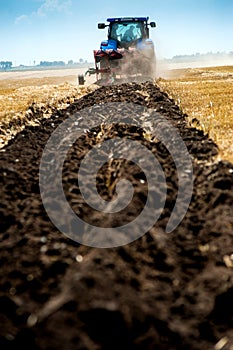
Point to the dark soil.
(163, 291)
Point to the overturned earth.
(161, 291)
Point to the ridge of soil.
(163, 291)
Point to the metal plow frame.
(112, 66)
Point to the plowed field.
(162, 291)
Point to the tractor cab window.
(126, 31)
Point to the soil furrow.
(162, 291)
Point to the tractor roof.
(128, 19)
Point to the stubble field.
(23, 93)
(206, 96)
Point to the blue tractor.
(127, 54)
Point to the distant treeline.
(198, 56)
(50, 64)
(4, 65)
(7, 65)
(60, 63)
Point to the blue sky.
(38, 30)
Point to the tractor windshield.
(127, 31)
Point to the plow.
(128, 54)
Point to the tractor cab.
(125, 32)
(128, 51)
